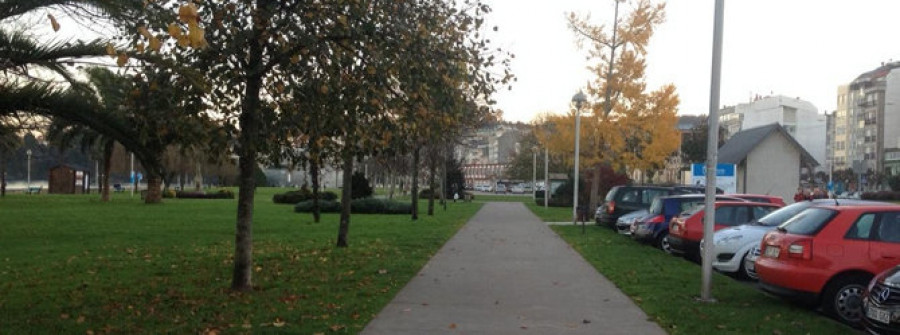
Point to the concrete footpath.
(506, 272)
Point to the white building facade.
(799, 118)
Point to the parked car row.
(842, 255)
(625, 199)
(828, 255)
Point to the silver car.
(734, 246)
(624, 222)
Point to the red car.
(759, 198)
(826, 255)
(686, 230)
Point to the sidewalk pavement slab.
(506, 272)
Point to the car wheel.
(663, 243)
(843, 298)
(748, 265)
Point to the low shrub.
(328, 195)
(291, 197)
(379, 206)
(358, 206)
(294, 197)
(360, 187)
(427, 193)
(554, 202)
(325, 206)
(168, 193)
(220, 194)
(881, 195)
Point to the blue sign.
(722, 170)
(725, 176)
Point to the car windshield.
(783, 214)
(808, 222)
(656, 207)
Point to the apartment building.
(867, 121)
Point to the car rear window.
(808, 222)
(651, 194)
(611, 195)
(656, 207)
(783, 214)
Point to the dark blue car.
(653, 228)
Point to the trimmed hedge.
(427, 193)
(220, 194)
(555, 202)
(358, 206)
(325, 206)
(294, 197)
(881, 195)
(424, 194)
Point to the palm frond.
(18, 51)
(80, 8)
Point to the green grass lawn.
(666, 288)
(551, 214)
(71, 264)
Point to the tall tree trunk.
(107, 167)
(249, 122)
(2, 174)
(392, 178)
(198, 177)
(154, 189)
(444, 179)
(346, 198)
(415, 183)
(595, 188)
(314, 175)
(432, 171)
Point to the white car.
(734, 246)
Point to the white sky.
(796, 48)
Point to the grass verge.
(71, 264)
(551, 214)
(666, 288)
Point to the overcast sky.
(796, 48)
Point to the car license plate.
(772, 251)
(878, 314)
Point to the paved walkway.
(506, 272)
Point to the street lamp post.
(578, 100)
(28, 168)
(711, 154)
(534, 152)
(546, 176)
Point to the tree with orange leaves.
(631, 128)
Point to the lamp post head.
(28, 152)
(579, 99)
